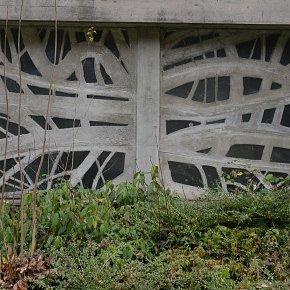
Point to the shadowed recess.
(204, 151)
(280, 155)
(107, 79)
(212, 176)
(268, 116)
(38, 90)
(63, 123)
(181, 91)
(72, 77)
(126, 36)
(221, 53)
(45, 169)
(243, 177)
(246, 151)
(178, 63)
(216, 121)
(244, 49)
(176, 125)
(275, 86)
(285, 121)
(3, 40)
(191, 40)
(71, 160)
(14, 32)
(210, 90)
(41, 34)
(209, 54)
(50, 47)
(251, 85)
(224, 87)
(99, 123)
(271, 41)
(67, 45)
(199, 92)
(10, 162)
(89, 70)
(114, 167)
(12, 85)
(285, 58)
(64, 94)
(111, 44)
(40, 120)
(109, 98)
(12, 127)
(28, 66)
(80, 36)
(246, 117)
(185, 173)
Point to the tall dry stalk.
(6, 137)
(18, 135)
(34, 211)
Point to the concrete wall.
(152, 11)
(199, 100)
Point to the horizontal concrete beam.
(276, 12)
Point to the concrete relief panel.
(91, 119)
(225, 105)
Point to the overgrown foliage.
(136, 235)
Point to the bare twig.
(7, 126)
(18, 135)
(34, 213)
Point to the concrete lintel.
(152, 11)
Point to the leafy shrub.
(136, 235)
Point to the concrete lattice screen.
(224, 95)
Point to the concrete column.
(148, 98)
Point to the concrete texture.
(152, 11)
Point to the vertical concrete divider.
(148, 98)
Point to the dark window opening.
(50, 48)
(199, 92)
(71, 160)
(28, 66)
(3, 41)
(216, 121)
(63, 123)
(268, 116)
(224, 87)
(251, 85)
(275, 86)
(14, 32)
(107, 79)
(89, 70)
(111, 45)
(246, 151)
(181, 91)
(38, 90)
(204, 151)
(285, 58)
(109, 98)
(12, 85)
(176, 125)
(246, 117)
(72, 77)
(40, 120)
(100, 123)
(280, 155)
(185, 173)
(285, 121)
(212, 176)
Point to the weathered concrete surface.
(153, 11)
